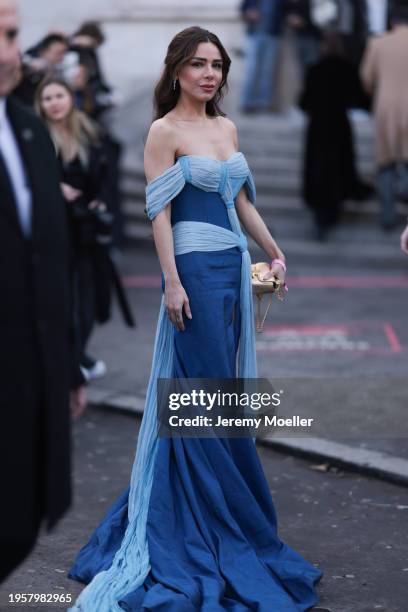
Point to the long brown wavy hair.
(181, 49)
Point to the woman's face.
(201, 76)
(56, 102)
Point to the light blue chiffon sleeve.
(161, 190)
(240, 175)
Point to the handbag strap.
(260, 321)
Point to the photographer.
(38, 62)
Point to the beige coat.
(385, 74)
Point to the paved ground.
(338, 352)
(355, 528)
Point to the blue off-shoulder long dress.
(211, 524)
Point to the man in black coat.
(37, 366)
(353, 26)
(307, 34)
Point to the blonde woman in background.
(82, 163)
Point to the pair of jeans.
(308, 51)
(392, 182)
(260, 63)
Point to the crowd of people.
(268, 21)
(351, 55)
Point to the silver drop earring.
(174, 84)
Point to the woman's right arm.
(159, 155)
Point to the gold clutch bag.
(260, 287)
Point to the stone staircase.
(273, 147)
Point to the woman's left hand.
(275, 271)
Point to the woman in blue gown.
(196, 530)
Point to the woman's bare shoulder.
(227, 123)
(230, 128)
(161, 130)
(159, 153)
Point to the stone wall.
(138, 31)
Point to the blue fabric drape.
(130, 565)
(124, 568)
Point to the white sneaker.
(85, 373)
(98, 370)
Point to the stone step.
(292, 138)
(358, 234)
(137, 231)
(354, 254)
(351, 231)
(280, 156)
(271, 205)
(291, 164)
(273, 176)
(272, 182)
(274, 150)
(313, 253)
(292, 144)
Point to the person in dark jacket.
(86, 42)
(39, 61)
(37, 361)
(307, 35)
(353, 24)
(264, 19)
(96, 97)
(330, 177)
(83, 172)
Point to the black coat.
(332, 87)
(91, 180)
(274, 16)
(35, 348)
(302, 9)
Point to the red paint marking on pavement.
(145, 282)
(300, 282)
(348, 329)
(392, 338)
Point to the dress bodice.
(195, 204)
(225, 177)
